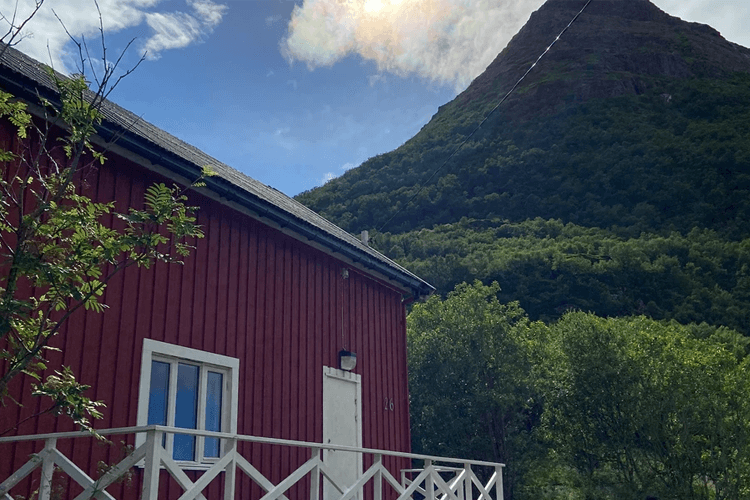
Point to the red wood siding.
(247, 291)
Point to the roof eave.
(230, 192)
(27, 89)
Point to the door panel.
(342, 425)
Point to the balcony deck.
(440, 478)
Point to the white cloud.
(209, 13)
(327, 177)
(165, 30)
(447, 41)
(173, 30)
(332, 175)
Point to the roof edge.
(225, 189)
(26, 87)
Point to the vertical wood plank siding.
(247, 291)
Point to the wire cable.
(458, 148)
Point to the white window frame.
(154, 350)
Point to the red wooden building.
(244, 339)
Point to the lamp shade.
(347, 360)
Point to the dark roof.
(25, 77)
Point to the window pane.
(186, 411)
(214, 392)
(158, 393)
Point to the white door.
(342, 425)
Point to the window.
(191, 389)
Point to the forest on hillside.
(584, 408)
(551, 268)
(672, 159)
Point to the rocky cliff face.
(615, 47)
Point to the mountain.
(615, 178)
(616, 47)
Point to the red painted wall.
(247, 291)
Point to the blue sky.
(293, 93)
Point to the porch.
(440, 478)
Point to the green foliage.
(583, 408)
(643, 408)
(632, 163)
(551, 267)
(646, 200)
(15, 112)
(67, 396)
(79, 112)
(469, 368)
(56, 241)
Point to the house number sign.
(388, 404)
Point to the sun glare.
(374, 6)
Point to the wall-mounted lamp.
(347, 360)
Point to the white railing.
(440, 479)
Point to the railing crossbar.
(392, 481)
(206, 478)
(291, 479)
(454, 484)
(443, 486)
(329, 477)
(359, 483)
(175, 471)
(114, 473)
(434, 481)
(48, 458)
(255, 475)
(406, 494)
(242, 437)
(26, 469)
(483, 493)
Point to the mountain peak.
(634, 119)
(615, 47)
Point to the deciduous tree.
(469, 379)
(644, 408)
(58, 248)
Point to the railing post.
(429, 482)
(378, 477)
(230, 474)
(499, 483)
(468, 490)
(48, 470)
(315, 475)
(152, 465)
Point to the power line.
(457, 148)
